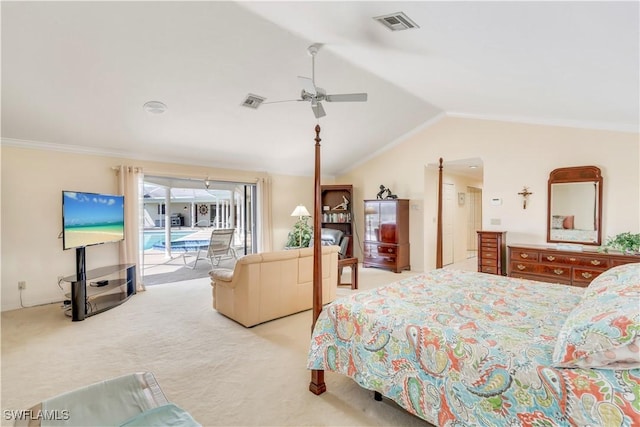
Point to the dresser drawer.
(523, 267)
(625, 259)
(489, 255)
(590, 261)
(585, 275)
(489, 243)
(489, 269)
(385, 250)
(556, 272)
(524, 255)
(380, 253)
(489, 261)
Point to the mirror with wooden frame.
(574, 206)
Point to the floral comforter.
(463, 348)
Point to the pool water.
(151, 238)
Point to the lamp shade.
(370, 210)
(300, 210)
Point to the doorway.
(462, 182)
(448, 213)
(474, 220)
(184, 212)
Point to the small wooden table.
(353, 264)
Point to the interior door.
(448, 196)
(474, 219)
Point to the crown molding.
(77, 149)
(65, 148)
(627, 128)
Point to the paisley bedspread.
(472, 349)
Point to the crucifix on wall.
(525, 193)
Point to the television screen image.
(91, 219)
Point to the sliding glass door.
(179, 210)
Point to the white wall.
(31, 221)
(514, 155)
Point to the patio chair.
(219, 246)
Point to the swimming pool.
(151, 238)
(184, 245)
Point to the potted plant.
(301, 235)
(626, 242)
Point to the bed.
(467, 348)
(473, 349)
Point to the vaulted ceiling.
(76, 74)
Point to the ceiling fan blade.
(284, 100)
(307, 85)
(318, 110)
(346, 97)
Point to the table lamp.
(301, 212)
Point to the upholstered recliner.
(330, 236)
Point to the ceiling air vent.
(396, 21)
(252, 101)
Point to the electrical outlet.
(22, 284)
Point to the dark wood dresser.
(492, 252)
(575, 268)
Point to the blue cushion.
(166, 415)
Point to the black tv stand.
(86, 300)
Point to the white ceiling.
(78, 73)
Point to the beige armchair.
(270, 285)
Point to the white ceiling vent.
(252, 101)
(396, 21)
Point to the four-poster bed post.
(317, 385)
(439, 223)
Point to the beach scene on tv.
(91, 219)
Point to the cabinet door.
(372, 221)
(388, 222)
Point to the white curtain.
(130, 181)
(265, 223)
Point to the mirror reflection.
(574, 209)
(573, 212)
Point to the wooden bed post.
(439, 224)
(317, 384)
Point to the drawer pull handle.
(558, 271)
(389, 250)
(520, 267)
(572, 259)
(595, 262)
(524, 256)
(551, 258)
(587, 275)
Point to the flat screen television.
(91, 219)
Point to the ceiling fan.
(312, 93)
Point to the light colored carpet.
(219, 371)
(175, 270)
